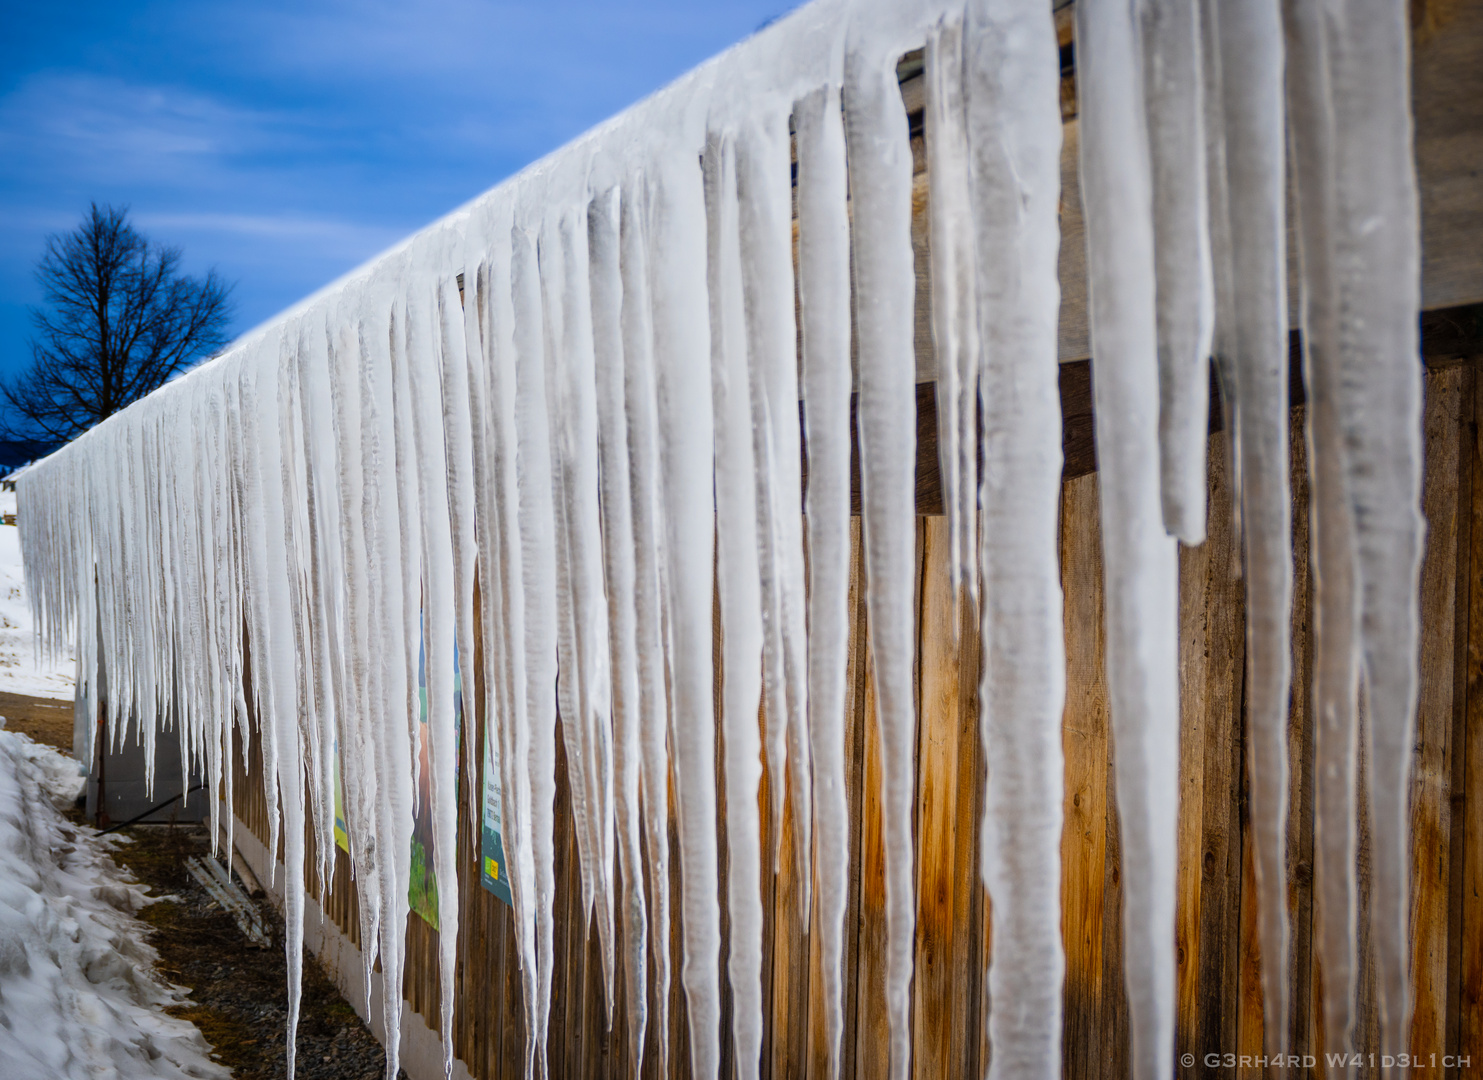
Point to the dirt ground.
(239, 996)
(44, 720)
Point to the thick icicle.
(880, 187)
(458, 453)
(681, 345)
(442, 608)
(515, 731)
(740, 601)
(1250, 40)
(383, 330)
(603, 222)
(1378, 261)
(1014, 135)
(1140, 559)
(584, 523)
(275, 665)
(1173, 90)
(586, 722)
(766, 256)
(538, 561)
(955, 328)
(568, 667)
(648, 542)
(1335, 594)
(824, 312)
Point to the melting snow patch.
(78, 994)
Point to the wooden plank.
(1222, 599)
(941, 1018)
(1431, 776)
(789, 990)
(1469, 984)
(1300, 749)
(1084, 740)
(1457, 847)
(1447, 90)
(1115, 1046)
(872, 1035)
(1250, 1014)
(971, 908)
(855, 683)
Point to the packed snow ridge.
(577, 398)
(79, 997)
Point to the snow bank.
(78, 995)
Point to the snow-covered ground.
(78, 994)
(22, 671)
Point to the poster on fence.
(422, 889)
(342, 835)
(494, 872)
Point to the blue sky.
(286, 142)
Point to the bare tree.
(122, 320)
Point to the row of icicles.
(605, 416)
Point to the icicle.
(741, 600)
(1140, 559)
(326, 568)
(382, 330)
(824, 310)
(275, 664)
(537, 542)
(578, 439)
(618, 560)
(681, 342)
(1014, 131)
(954, 325)
(1335, 598)
(1172, 76)
(458, 453)
(880, 187)
(568, 667)
(357, 754)
(648, 541)
(413, 321)
(442, 607)
(515, 757)
(1377, 242)
(765, 221)
(1250, 41)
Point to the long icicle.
(1139, 557)
(681, 345)
(1250, 40)
(1379, 266)
(648, 541)
(589, 611)
(880, 187)
(537, 542)
(1014, 134)
(766, 255)
(824, 313)
(740, 592)
(1335, 593)
(618, 562)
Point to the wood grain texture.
(1084, 741)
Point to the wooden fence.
(1219, 1002)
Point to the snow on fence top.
(605, 414)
